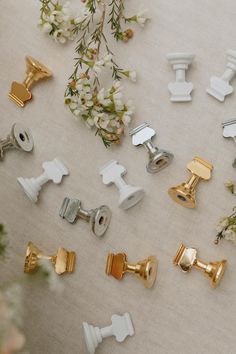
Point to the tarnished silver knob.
(98, 219)
(20, 138)
(158, 159)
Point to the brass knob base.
(63, 261)
(186, 259)
(183, 196)
(117, 266)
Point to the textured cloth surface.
(181, 314)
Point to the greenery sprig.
(101, 108)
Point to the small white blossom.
(132, 75)
(142, 17)
(58, 23)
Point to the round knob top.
(159, 161)
(149, 272)
(35, 65)
(22, 137)
(100, 220)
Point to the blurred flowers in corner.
(226, 228)
(12, 338)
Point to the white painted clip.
(220, 86)
(53, 170)
(121, 327)
(180, 90)
(112, 172)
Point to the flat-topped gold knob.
(186, 258)
(117, 266)
(63, 261)
(185, 193)
(20, 92)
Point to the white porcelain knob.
(220, 86)
(53, 170)
(180, 90)
(121, 327)
(112, 172)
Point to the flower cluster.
(230, 185)
(104, 109)
(226, 228)
(55, 20)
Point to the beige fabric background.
(181, 314)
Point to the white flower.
(142, 17)
(108, 60)
(126, 119)
(47, 27)
(97, 66)
(58, 23)
(132, 75)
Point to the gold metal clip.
(63, 261)
(35, 71)
(185, 193)
(186, 258)
(117, 266)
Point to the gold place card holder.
(185, 193)
(186, 259)
(63, 261)
(21, 92)
(117, 265)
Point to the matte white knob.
(112, 172)
(219, 86)
(53, 170)
(180, 90)
(121, 327)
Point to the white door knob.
(219, 86)
(121, 327)
(180, 90)
(112, 172)
(53, 170)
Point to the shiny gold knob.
(35, 71)
(186, 258)
(117, 266)
(184, 194)
(63, 261)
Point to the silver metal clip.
(98, 219)
(20, 138)
(158, 159)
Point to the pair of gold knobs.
(117, 264)
(20, 92)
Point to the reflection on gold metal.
(184, 194)
(186, 258)
(35, 71)
(63, 261)
(117, 266)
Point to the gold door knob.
(186, 258)
(20, 92)
(63, 261)
(117, 266)
(184, 194)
